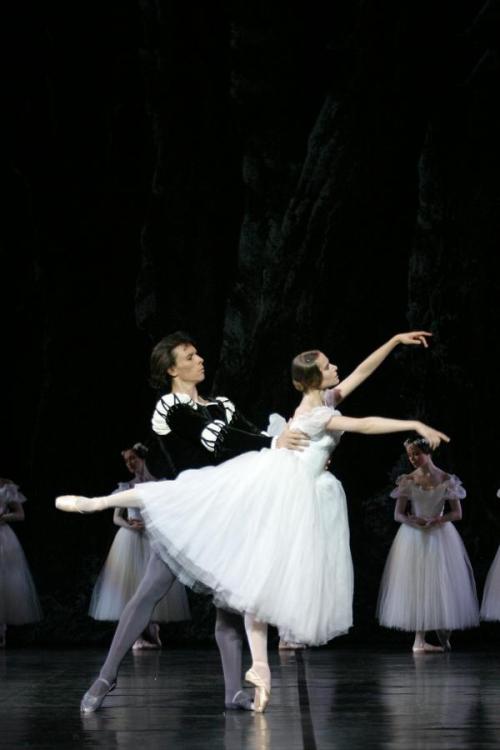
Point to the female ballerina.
(267, 532)
(490, 605)
(127, 561)
(427, 582)
(18, 598)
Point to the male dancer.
(193, 432)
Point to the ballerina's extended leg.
(79, 504)
(259, 674)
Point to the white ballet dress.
(428, 583)
(18, 598)
(266, 532)
(123, 571)
(490, 606)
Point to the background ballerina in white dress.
(127, 560)
(267, 531)
(18, 598)
(490, 605)
(428, 583)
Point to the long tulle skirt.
(264, 535)
(428, 582)
(490, 607)
(18, 598)
(120, 576)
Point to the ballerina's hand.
(418, 521)
(433, 437)
(414, 337)
(136, 525)
(436, 521)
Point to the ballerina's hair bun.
(420, 443)
(305, 372)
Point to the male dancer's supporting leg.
(229, 637)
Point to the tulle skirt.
(18, 598)
(428, 582)
(490, 607)
(120, 576)
(264, 535)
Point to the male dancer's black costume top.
(193, 435)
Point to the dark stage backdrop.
(271, 177)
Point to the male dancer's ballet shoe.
(262, 690)
(241, 702)
(76, 504)
(92, 702)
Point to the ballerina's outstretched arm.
(385, 426)
(375, 359)
(79, 504)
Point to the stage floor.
(322, 699)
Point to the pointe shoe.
(290, 646)
(77, 504)
(262, 690)
(141, 644)
(428, 648)
(444, 639)
(241, 702)
(91, 703)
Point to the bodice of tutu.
(322, 441)
(428, 503)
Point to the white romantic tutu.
(18, 598)
(120, 576)
(490, 607)
(266, 532)
(428, 583)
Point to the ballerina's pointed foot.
(262, 690)
(77, 504)
(427, 648)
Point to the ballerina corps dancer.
(267, 532)
(428, 583)
(490, 605)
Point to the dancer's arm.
(14, 513)
(120, 519)
(401, 516)
(370, 364)
(215, 435)
(454, 514)
(383, 426)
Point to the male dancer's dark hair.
(162, 358)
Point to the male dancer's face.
(188, 366)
